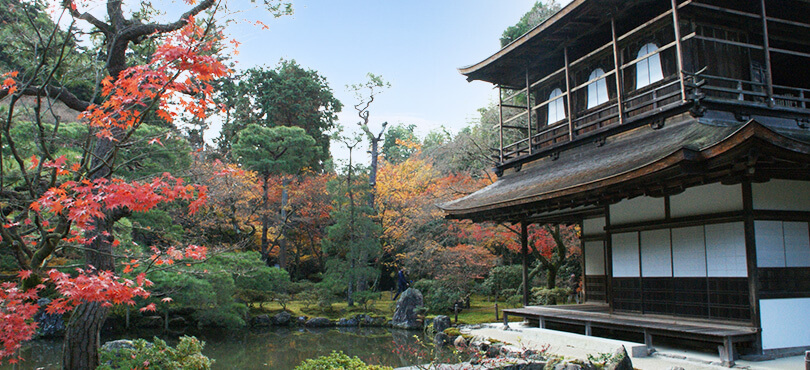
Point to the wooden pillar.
(608, 261)
(751, 257)
(767, 50)
(529, 112)
(500, 123)
(617, 70)
(524, 251)
(568, 96)
(678, 48)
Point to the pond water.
(280, 349)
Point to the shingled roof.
(645, 160)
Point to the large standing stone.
(440, 323)
(405, 315)
(619, 361)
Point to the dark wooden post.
(568, 96)
(500, 123)
(617, 70)
(529, 111)
(751, 257)
(496, 311)
(766, 48)
(678, 49)
(524, 251)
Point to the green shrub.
(158, 355)
(338, 361)
(438, 298)
(502, 278)
(543, 296)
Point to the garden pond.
(277, 348)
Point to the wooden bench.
(725, 335)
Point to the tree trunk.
(80, 351)
(282, 242)
(265, 220)
(372, 172)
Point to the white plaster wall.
(656, 253)
(785, 195)
(595, 258)
(797, 244)
(593, 226)
(770, 243)
(706, 199)
(625, 255)
(784, 322)
(725, 250)
(637, 209)
(689, 252)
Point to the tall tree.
(365, 94)
(288, 95)
(272, 151)
(83, 196)
(539, 12)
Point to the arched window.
(556, 106)
(597, 90)
(648, 70)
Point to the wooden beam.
(678, 48)
(767, 49)
(500, 123)
(751, 257)
(524, 251)
(568, 95)
(529, 111)
(618, 74)
(608, 261)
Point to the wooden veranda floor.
(599, 316)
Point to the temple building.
(677, 134)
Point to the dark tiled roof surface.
(590, 164)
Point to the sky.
(415, 45)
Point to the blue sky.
(416, 45)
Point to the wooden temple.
(677, 134)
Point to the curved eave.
(674, 162)
(472, 71)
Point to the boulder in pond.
(282, 318)
(260, 320)
(440, 323)
(405, 316)
(344, 322)
(319, 322)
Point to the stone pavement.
(572, 346)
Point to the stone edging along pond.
(286, 319)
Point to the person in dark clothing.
(402, 283)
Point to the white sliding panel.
(797, 244)
(725, 250)
(625, 255)
(784, 322)
(637, 209)
(770, 243)
(656, 254)
(595, 258)
(689, 252)
(593, 226)
(782, 195)
(705, 199)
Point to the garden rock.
(344, 322)
(441, 339)
(405, 316)
(460, 342)
(494, 350)
(116, 345)
(619, 361)
(440, 323)
(48, 325)
(282, 318)
(301, 320)
(260, 320)
(319, 322)
(567, 366)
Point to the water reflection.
(280, 348)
